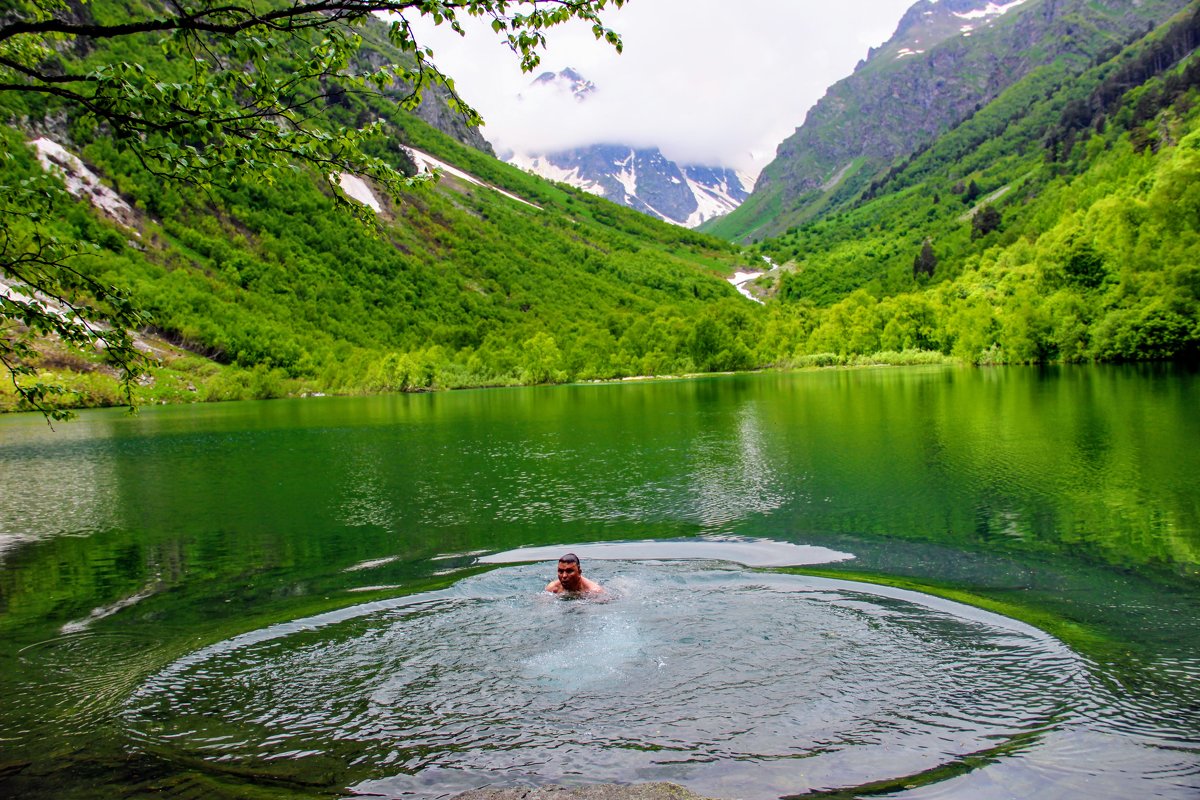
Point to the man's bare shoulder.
(592, 587)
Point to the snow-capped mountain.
(639, 177)
(568, 81)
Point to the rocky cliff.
(436, 111)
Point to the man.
(570, 578)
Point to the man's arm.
(554, 586)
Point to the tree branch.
(203, 21)
(38, 76)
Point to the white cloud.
(709, 81)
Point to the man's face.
(569, 575)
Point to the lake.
(930, 582)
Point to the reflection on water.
(28, 511)
(718, 678)
(1082, 459)
(363, 494)
(732, 476)
(705, 471)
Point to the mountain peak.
(947, 60)
(568, 81)
(928, 23)
(643, 179)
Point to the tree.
(1085, 267)
(971, 193)
(541, 360)
(216, 105)
(926, 261)
(986, 220)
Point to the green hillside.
(460, 286)
(1063, 222)
(264, 287)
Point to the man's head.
(570, 575)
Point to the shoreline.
(84, 384)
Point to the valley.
(1050, 221)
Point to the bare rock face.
(435, 110)
(82, 182)
(602, 791)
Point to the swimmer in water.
(570, 578)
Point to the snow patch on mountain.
(990, 10)
(427, 164)
(547, 169)
(714, 199)
(627, 177)
(739, 281)
(356, 189)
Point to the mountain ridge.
(1059, 222)
(892, 106)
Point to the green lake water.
(997, 596)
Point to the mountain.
(567, 80)
(1060, 222)
(946, 61)
(641, 178)
(435, 111)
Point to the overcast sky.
(718, 82)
